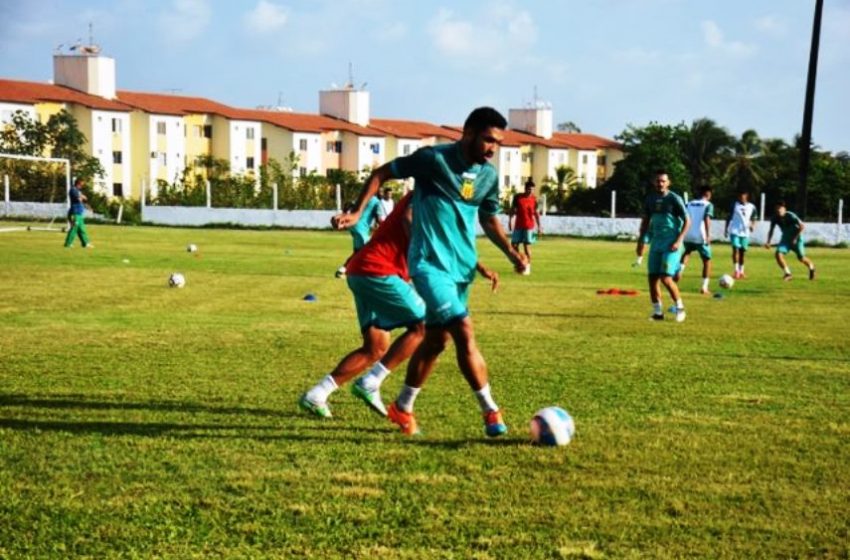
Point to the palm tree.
(703, 145)
(566, 179)
(745, 170)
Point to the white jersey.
(698, 210)
(741, 217)
(386, 208)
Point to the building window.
(406, 150)
(116, 157)
(302, 144)
(161, 157)
(302, 171)
(207, 131)
(601, 160)
(335, 147)
(116, 125)
(249, 162)
(160, 128)
(507, 155)
(197, 130)
(584, 159)
(375, 147)
(118, 188)
(264, 144)
(507, 180)
(249, 133)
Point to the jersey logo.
(467, 188)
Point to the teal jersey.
(450, 195)
(367, 218)
(789, 225)
(666, 215)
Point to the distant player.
(698, 237)
(378, 278)
(362, 230)
(455, 184)
(792, 228)
(739, 225)
(76, 216)
(387, 204)
(666, 220)
(524, 208)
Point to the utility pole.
(806, 140)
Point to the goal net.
(35, 189)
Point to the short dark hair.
(78, 181)
(484, 117)
(530, 182)
(780, 203)
(705, 189)
(661, 171)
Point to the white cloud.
(185, 20)
(714, 38)
(771, 25)
(501, 38)
(265, 17)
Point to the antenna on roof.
(279, 98)
(91, 34)
(350, 84)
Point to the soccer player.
(387, 204)
(455, 183)
(792, 228)
(77, 216)
(378, 278)
(362, 230)
(524, 207)
(666, 220)
(698, 237)
(739, 225)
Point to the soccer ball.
(176, 280)
(191, 248)
(552, 426)
(726, 281)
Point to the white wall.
(366, 157)
(407, 146)
(347, 104)
(312, 161)
(102, 146)
(8, 109)
(175, 148)
(586, 172)
(238, 143)
(90, 74)
(509, 163)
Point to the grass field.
(140, 421)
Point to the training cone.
(718, 295)
(309, 297)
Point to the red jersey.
(386, 252)
(525, 209)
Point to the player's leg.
(781, 250)
(705, 255)
(375, 343)
(670, 262)
(655, 269)
(683, 262)
(741, 258)
(81, 231)
(72, 232)
(800, 250)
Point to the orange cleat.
(404, 420)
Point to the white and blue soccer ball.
(191, 248)
(552, 426)
(726, 281)
(176, 280)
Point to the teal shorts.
(664, 263)
(704, 250)
(740, 242)
(385, 302)
(785, 246)
(525, 236)
(359, 238)
(445, 299)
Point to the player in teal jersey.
(792, 228)
(455, 187)
(362, 230)
(666, 220)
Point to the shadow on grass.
(77, 402)
(119, 428)
(544, 314)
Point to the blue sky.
(600, 63)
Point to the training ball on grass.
(552, 426)
(726, 281)
(191, 248)
(176, 280)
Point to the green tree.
(744, 171)
(568, 126)
(703, 147)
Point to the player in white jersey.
(740, 223)
(698, 236)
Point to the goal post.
(48, 205)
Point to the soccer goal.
(35, 188)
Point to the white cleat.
(680, 315)
(371, 397)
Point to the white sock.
(322, 390)
(705, 283)
(485, 400)
(737, 267)
(639, 259)
(742, 269)
(787, 270)
(406, 397)
(657, 309)
(375, 376)
(681, 268)
(811, 267)
(680, 304)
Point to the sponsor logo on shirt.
(467, 188)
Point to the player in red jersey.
(378, 277)
(524, 207)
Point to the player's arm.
(686, 224)
(511, 213)
(644, 225)
(490, 275)
(707, 221)
(493, 230)
(537, 220)
(800, 227)
(769, 235)
(370, 188)
(728, 219)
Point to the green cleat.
(317, 409)
(371, 398)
